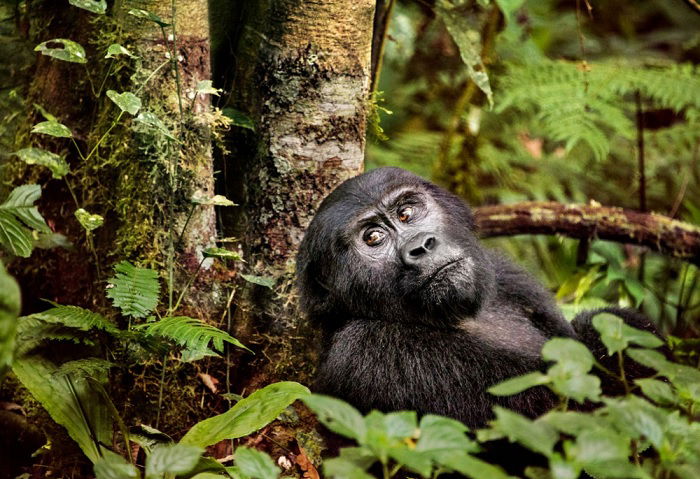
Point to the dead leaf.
(209, 381)
(304, 462)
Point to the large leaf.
(14, 237)
(94, 6)
(9, 310)
(255, 464)
(134, 290)
(338, 416)
(62, 49)
(52, 128)
(20, 202)
(74, 404)
(36, 156)
(172, 459)
(247, 415)
(113, 466)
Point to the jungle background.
(161, 159)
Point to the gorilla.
(416, 314)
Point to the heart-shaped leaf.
(115, 49)
(62, 49)
(94, 6)
(87, 220)
(126, 101)
(52, 128)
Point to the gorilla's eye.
(405, 214)
(373, 237)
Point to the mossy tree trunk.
(302, 74)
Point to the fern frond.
(134, 290)
(33, 333)
(76, 317)
(93, 368)
(192, 334)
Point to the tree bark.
(303, 77)
(656, 232)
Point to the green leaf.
(146, 15)
(9, 310)
(205, 87)
(126, 101)
(338, 416)
(14, 237)
(342, 468)
(259, 280)
(113, 466)
(37, 156)
(191, 333)
(216, 200)
(572, 422)
(537, 436)
(20, 202)
(152, 122)
(76, 405)
(221, 253)
(62, 49)
(76, 317)
(569, 375)
(509, 7)
(637, 418)
(94, 6)
(134, 290)
(658, 391)
(93, 368)
(440, 436)
(401, 424)
(52, 128)
(87, 220)
(472, 467)
(255, 464)
(115, 50)
(247, 415)
(410, 459)
(616, 335)
(238, 118)
(518, 384)
(172, 459)
(600, 445)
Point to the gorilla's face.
(389, 245)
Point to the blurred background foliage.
(575, 83)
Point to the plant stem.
(190, 280)
(160, 390)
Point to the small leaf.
(36, 156)
(88, 221)
(518, 384)
(115, 49)
(338, 416)
(255, 464)
(52, 128)
(150, 120)
(221, 253)
(47, 116)
(537, 436)
(146, 15)
(658, 391)
(238, 118)
(216, 200)
(94, 6)
(259, 280)
(172, 459)
(205, 87)
(126, 101)
(616, 335)
(69, 51)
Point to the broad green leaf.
(9, 310)
(441, 436)
(14, 238)
(115, 50)
(247, 415)
(94, 6)
(255, 464)
(87, 220)
(238, 118)
(572, 422)
(76, 405)
(418, 462)
(568, 351)
(126, 101)
(37, 156)
(338, 416)
(134, 290)
(472, 467)
(401, 424)
(216, 200)
(62, 49)
(658, 391)
(205, 87)
(146, 15)
(637, 418)
(259, 280)
(20, 202)
(113, 466)
(569, 375)
(537, 436)
(221, 253)
(52, 128)
(341, 468)
(616, 335)
(172, 459)
(600, 445)
(152, 122)
(518, 384)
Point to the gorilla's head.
(389, 245)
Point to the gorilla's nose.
(418, 249)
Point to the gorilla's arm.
(520, 290)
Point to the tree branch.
(657, 232)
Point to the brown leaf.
(304, 462)
(209, 381)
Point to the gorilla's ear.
(314, 292)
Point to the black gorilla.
(416, 313)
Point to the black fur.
(427, 319)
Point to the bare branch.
(657, 232)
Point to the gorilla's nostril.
(416, 252)
(429, 243)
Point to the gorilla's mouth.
(449, 265)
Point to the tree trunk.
(303, 76)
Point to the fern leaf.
(76, 317)
(93, 368)
(134, 290)
(192, 334)
(33, 332)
